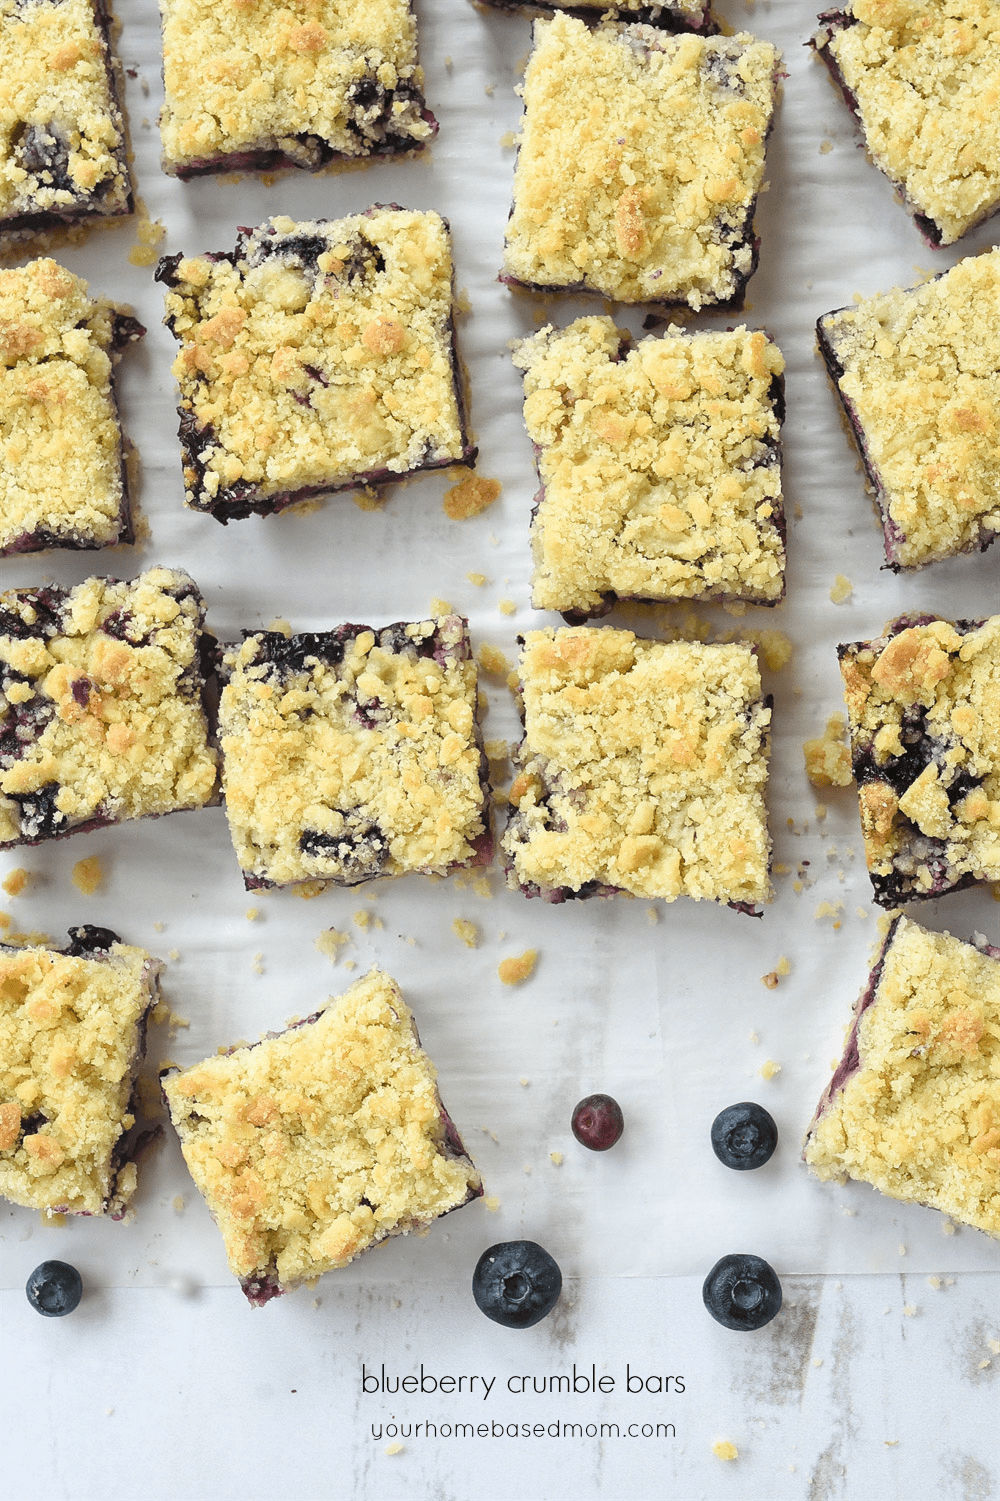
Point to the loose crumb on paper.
(556, 1158)
(770, 1069)
(394, 1448)
(842, 589)
(828, 756)
(493, 661)
(252, 914)
(506, 607)
(492, 1203)
(88, 875)
(723, 1449)
(518, 968)
(331, 941)
(479, 579)
(177, 1203)
(470, 497)
(467, 931)
(16, 881)
(441, 607)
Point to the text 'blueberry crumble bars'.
(270, 84)
(62, 474)
(923, 702)
(914, 1105)
(72, 1039)
(918, 374)
(321, 1141)
(63, 153)
(642, 769)
(316, 357)
(101, 712)
(660, 466)
(354, 753)
(923, 79)
(641, 158)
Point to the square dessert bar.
(922, 77)
(918, 375)
(923, 702)
(642, 769)
(640, 162)
(63, 150)
(72, 1039)
(673, 15)
(315, 357)
(354, 753)
(321, 1141)
(271, 85)
(62, 473)
(913, 1107)
(101, 705)
(659, 466)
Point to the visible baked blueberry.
(373, 114)
(306, 249)
(43, 151)
(360, 852)
(54, 1288)
(516, 1283)
(742, 1292)
(598, 1122)
(86, 940)
(744, 1136)
(40, 818)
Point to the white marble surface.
(669, 1015)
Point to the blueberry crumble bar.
(659, 466)
(63, 151)
(271, 85)
(640, 162)
(671, 15)
(913, 1107)
(918, 375)
(320, 1141)
(642, 769)
(922, 79)
(354, 753)
(923, 702)
(72, 1039)
(101, 704)
(315, 357)
(62, 472)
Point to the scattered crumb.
(910, 1309)
(770, 1069)
(994, 1344)
(781, 969)
(934, 1282)
(394, 1448)
(279, 625)
(5, 921)
(506, 607)
(902, 1249)
(754, 1038)
(467, 931)
(174, 956)
(159, 927)
(16, 881)
(774, 647)
(441, 606)
(817, 1360)
(479, 579)
(984, 1365)
(252, 914)
(527, 1169)
(518, 968)
(308, 889)
(652, 915)
(492, 1203)
(825, 147)
(470, 497)
(850, 1213)
(830, 909)
(890, 1443)
(448, 62)
(489, 89)
(149, 233)
(948, 1226)
(861, 911)
(723, 1449)
(350, 964)
(842, 589)
(178, 1203)
(331, 941)
(258, 964)
(508, 139)
(60, 1221)
(821, 811)
(481, 887)
(463, 302)
(828, 757)
(770, 980)
(524, 1083)
(556, 1158)
(362, 918)
(493, 661)
(364, 499)
(88, 875)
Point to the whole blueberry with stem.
(742, 1292)
(54, 1288)
(744, 1136)
(516, 1283)
(598, 1122)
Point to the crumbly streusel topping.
(643, 767)
(641, 158)
(323, 354)
(320, 1142)
(922, 377)
(100, 704)
(924, 708)
(275, 73)
(659, 465)
(61, 134)
(919, 1116)
(925, 75)
(354, 754)
(60, 443)
(71, 1035)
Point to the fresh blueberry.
(598, 1122)
(54, 1288)
(516, 1283)
(742, 1292)
(744, 1136)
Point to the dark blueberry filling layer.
(669, 18)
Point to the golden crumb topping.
(60, 443)
(828, 756)
(643, 768)
(289, 76)
(353, 755)
(916, 1113)
(921, 377)
(318, 1143)
(925, 76)
(659, 465)
(641, 158)
(322, 355)
(72, 1034)
(101, 686)
(61, 135)
(924, 708)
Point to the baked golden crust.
(641, 158)
(916, 1112)
(322, 1141)
(659, 465)
(642, 769)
